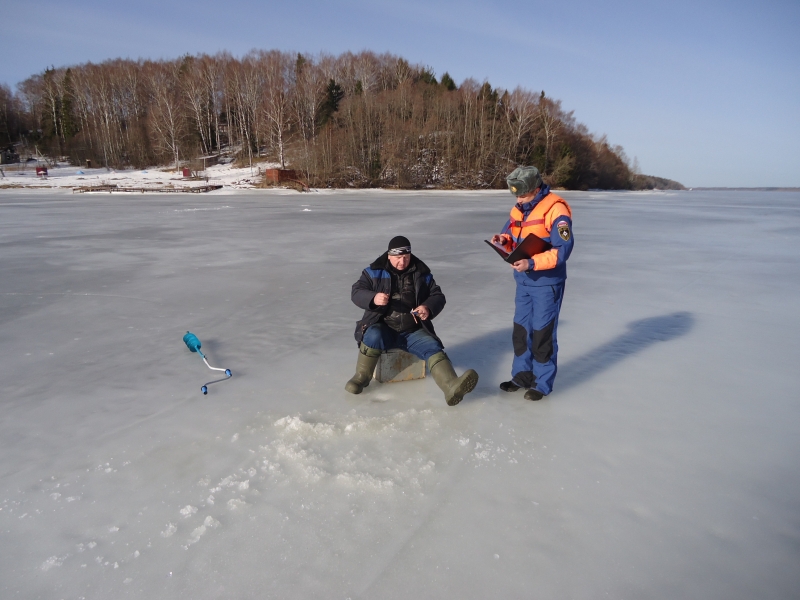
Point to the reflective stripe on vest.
(535, 224)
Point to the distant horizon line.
(752, 188)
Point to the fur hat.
(523, 180)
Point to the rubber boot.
(454, 387)
(365, 367)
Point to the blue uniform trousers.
(420, 343)
(535, 326)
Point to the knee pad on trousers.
(542, 343)
(520, 340)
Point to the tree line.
(353, 120)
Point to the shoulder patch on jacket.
(563, 230)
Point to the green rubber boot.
(365, 367)
(454, 387)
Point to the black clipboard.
(531, 245)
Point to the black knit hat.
(399, 245)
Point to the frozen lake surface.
(664, 464)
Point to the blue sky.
(705, 92)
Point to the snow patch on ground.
(53, 561)
(349, 450)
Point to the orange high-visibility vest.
(540, 221)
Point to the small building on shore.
(280, 175)
(8, 156)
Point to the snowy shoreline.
(66, 177)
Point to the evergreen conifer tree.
(448, 83)
(428, 76)
(333, 95)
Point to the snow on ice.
(662, 466)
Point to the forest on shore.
(353, 120)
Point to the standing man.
(400, 298)
(540, 280)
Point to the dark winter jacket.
(377, 278)
(402, 300)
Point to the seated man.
(399, 298)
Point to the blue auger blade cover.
(192, 342)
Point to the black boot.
(509, 386)
(365, 367)
(454, 387)
(533, 395)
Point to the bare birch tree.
(167, 116)
(279, 84)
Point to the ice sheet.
(663, 465)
